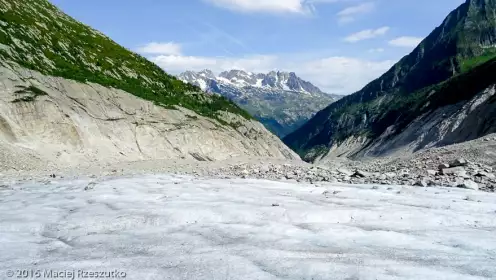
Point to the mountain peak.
(207, 74)
(234, 73)
(206, 71)
(276, 80)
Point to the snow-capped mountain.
(201, 79)
(287, 81)
(280, 100)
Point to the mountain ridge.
(277, 80)
(464, 40)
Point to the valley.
(281, 101)
(110, 162)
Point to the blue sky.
(339, 45)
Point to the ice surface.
(180, 227)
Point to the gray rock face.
(73, 122)
(441, 127)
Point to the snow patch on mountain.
(274, 80)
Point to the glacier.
(184, 227)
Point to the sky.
(338, 45)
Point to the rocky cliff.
(433, 85)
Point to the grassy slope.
(38, 36)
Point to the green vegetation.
(281, 112)
(315, 152)
(38, 36)
(29, 94)
(468, 64)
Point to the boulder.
(90, 186)
(332, 180)
(345, 172)
(424, 182)
(455, 171)
(265, 169)
(469, 184)
(390, 174)
(361, 174)
(290, 176)
(458, 162)
(486, 175)
(432, 172)
(443, 166)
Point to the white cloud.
(367, 34)
(177, 63)
(406, 41)
(169, 48)
(359, 9)
(271, 6)
(336, 74)
(275, 6)
(377, 50)
(349, 14)
(342, 75)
